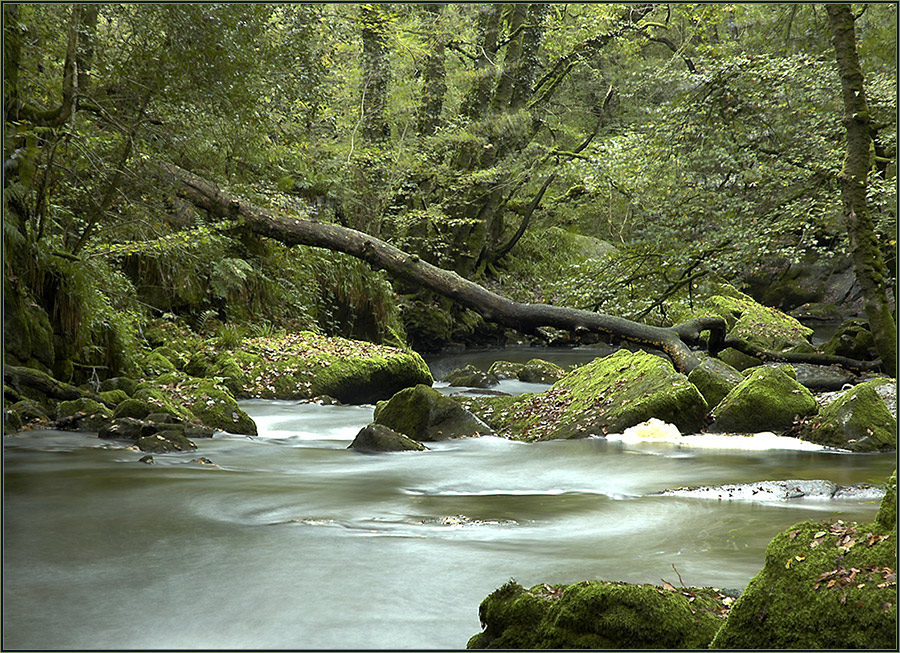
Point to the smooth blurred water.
(293, 541)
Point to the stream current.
(293, 541)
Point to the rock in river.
(824, 586)
(424, 414)
(377, 437)
(607, 395)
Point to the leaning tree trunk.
(867, 261)
(527, 318)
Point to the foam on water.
(656, 431)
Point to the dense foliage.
(491, 139)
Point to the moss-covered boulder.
(424, 414)
(853, 339)
(471, 377)
(599, 615)
(763, 326)
(858, 420)
(155, 363)
(124, 383)
(134, 408)
(29, 411)
(305, 365)
(505, 369)
(887, 512)
(768, 399)
(376, 438)
(123, 428)
(189, 399)
(714, 379)
(738, 359)
(213, 405)
(114, 397)
(165, 442)
(82, 415)
(538, 370)
(824, 586)
(605, 396)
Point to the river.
(290, 540)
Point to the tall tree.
(859, 160)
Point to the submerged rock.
(424, 414)
(471, 377)
(767, 400)
(824, 586)
(599, 615)
(781, 491)
(607, 395)
(165, 442)
(858, 421)
(378, 438)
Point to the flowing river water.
(290, 540)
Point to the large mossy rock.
(824, 586)
(471, 377)
(768, 399)
(605, 396)
(858, 420)
(853, 339)
(83, 415)
(194, 400)
(424, 414)
(306, 365)
(714, 379)
(598, 615)
(377, 438)
(747, 319)
(537, 370)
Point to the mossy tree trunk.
(434, 84)
(374, 20)
(867, 260)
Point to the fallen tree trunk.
(527, 318)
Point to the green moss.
(471, 377)
(606, 395)
(858, 420)
(134, 408)
(887, 512)
(738, 359)
(505, 369)
(124, 383)
(305, 365)
(424, 414)
(154, 363)
(538, 370)
(114, 396)
(824, 586)
(598, 615)
(162, 401)
(96, 415)
(165, 441)
(216, 408)
(714, 379)
(767, 400)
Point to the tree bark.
(434, 85)
(867, 260)
(376, 70)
